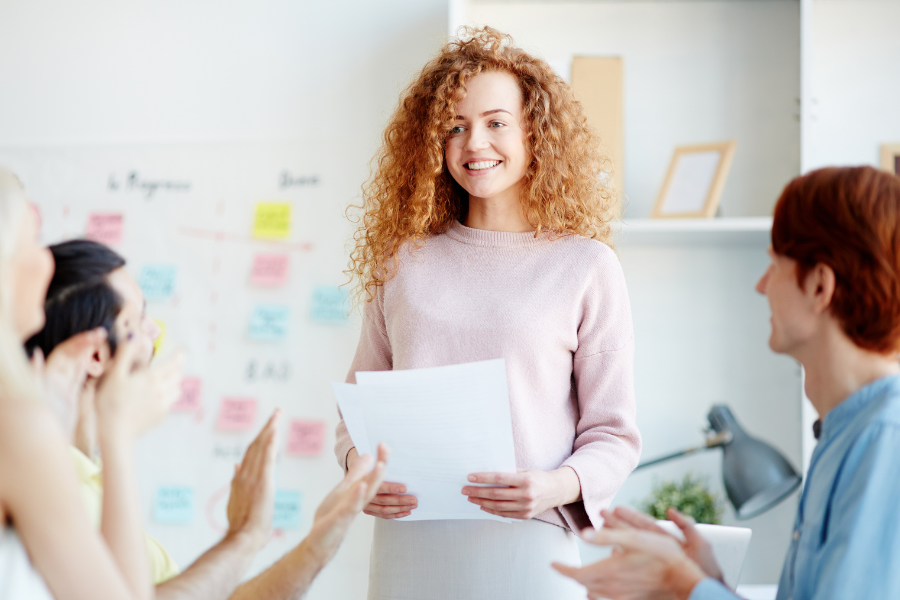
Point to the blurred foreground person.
(91, 288)
(47, 544)
(834, 292)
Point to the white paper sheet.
(441, 425)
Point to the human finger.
(638, 520)
(493, 493)
(503, 505)
(508, 479)
(633, 540)
(376, 510)
(686, 523)
(570, 572)
(394, 500)
(518, 514)
(392, 488)
(259, 449)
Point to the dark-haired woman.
(486, 236)
(834, 291)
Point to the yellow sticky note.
(158, 342)
(272, 220)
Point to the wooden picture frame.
(694, 181)
(890, 158)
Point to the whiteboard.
(191, 207)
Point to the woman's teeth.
(485, 164)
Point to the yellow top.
(162, 566)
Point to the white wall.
(323, 77)
(694, 72)
(854, 81)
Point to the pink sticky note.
(236, 414)
(105, 228)
(305, 438)
(269, 269)
(190, 395)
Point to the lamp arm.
(713, 441)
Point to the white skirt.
(471, 560)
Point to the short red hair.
(849, 219)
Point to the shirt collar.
(841, 415)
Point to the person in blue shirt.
(834, 291)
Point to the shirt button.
(796, 537)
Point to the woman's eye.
(497, 124)
(457, 129)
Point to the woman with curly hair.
(486, 235)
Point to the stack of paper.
(441, 424)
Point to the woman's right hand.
(132, 398)
(391, 501)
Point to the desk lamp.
(757, 476)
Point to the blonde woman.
(486, 235)
(40, 506)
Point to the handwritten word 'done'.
(269, 322)
(157, 281)
(236, 414)
(105, 228)
(305, 438)
(270, 269)
(191, 389)
(287, 510)
(174, 505)
(272, 220)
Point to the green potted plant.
(691, 496)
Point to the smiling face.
(795, 319)
(485, 151)
(32, 269)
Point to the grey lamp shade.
(757, 477)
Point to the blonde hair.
(411, 194)
(16, 378)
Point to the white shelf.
(693, 232)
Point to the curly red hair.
(411, 194)
(849, 219)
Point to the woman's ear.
(99, 360)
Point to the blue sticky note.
(287, 510)
(329, 305)
(269, 322)
(158, 281)
(174, 505)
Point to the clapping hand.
(390, 500)
(61, 376)
(340, 507)
(647, 561)
(252, 499)
(132, 398)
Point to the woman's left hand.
(526, 494)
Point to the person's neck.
(836, 368)
(500, 213)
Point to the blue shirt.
(846, 539)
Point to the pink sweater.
(557, 311)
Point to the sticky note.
(328, 305)
(272, 220)
(158, 342)
(287, 510)
(157, 281)
(105, 228)
(191, 387)
(305, 438)
(270, 269)
(269, 322)
(236, 414)
(174, 505)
